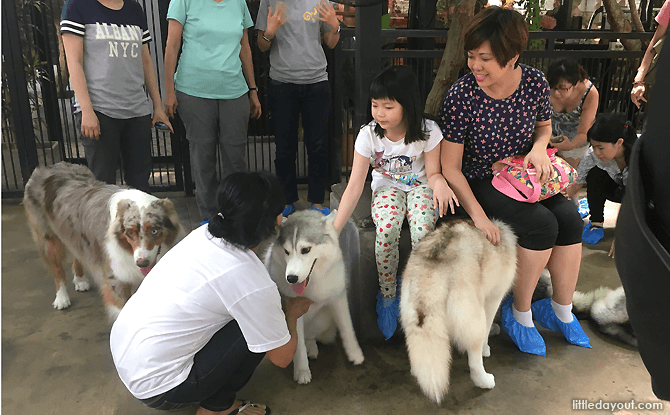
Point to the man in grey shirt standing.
(299, 86)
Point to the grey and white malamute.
(452, 287)
(306, 260)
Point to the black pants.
(599, 188)
(219, 371)
(128, 138)
(538, 226)
(288, 102)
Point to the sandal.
(246, 404)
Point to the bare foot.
(248, 410)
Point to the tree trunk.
(619, 23)
(637, 23)
(453, 58)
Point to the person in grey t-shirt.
(106, 45)
(299, 86)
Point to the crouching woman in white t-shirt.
(204, 317)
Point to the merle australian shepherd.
(116, 233)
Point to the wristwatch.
(253, 88)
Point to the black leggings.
(538, 226)
(220, 369)
(599, 188)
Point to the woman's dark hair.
(249, 204)
(568, 69)
(505, 29)
(398, 83)
(609, 128)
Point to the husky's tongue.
(299, 288)
(146, 270)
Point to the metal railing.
(38, 124)
(611, 71)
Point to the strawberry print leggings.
(389, 207)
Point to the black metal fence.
(610, 70)
(38, 124)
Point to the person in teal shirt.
(214, 87)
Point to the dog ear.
(121, 209)
(331, 217)
(116, 228)
(172, 222)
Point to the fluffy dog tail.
(583, 302)
(428, 344)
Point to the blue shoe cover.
(592, 236)
(325, 210)
(583, 208)
(527, 339)
(288, 210)
(546, 317)
(387, 314)
(206, 221)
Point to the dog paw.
(486, 351)
(483, 380)
(356, 356)
(61, 303)
(81, 283)
(312, 349)
(302, 376)
(62, 299)
(495, 330)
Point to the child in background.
(604, 170)
(404, 150)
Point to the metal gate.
(37, 102)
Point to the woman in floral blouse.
(499, 109)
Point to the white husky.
(306, 260)
(452, 286)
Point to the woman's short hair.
(505, 29)
(568, 69)
(399, 83)
(249, 204)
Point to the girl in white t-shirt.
(404, 150)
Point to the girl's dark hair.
(505, 29)
(249, 204)
(398, 83)
(568, 69)
(608, 128)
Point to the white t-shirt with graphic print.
(397, 164)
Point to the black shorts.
(538, 226)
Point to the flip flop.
(246, 404)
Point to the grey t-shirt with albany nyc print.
(113, 42)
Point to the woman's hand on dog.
(296, 307)
(491, 231)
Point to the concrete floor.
(58, 362)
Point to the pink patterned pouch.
(512, 180)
